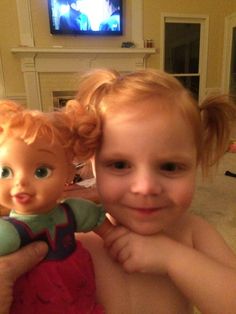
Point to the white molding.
(137, 23)
(20, 98)
(96, 51)
(2, 83)
(203, 55)
(25, 23)
(213, 90)
(54, 60)
(230, 22)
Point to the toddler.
(154, 138)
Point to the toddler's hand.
(147, 254)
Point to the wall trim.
(2, 83)
(230, 22)
(25, 23)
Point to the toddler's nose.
(146, 184)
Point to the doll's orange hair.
(76, 129)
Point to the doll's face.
(32, 177)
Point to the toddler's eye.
(120, 165)
(5, 172)
(170, 166)
(42, 172)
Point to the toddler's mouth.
(147, 210)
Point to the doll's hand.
(13, 266)
(147, 254)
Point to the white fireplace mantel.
(36, 61)
(77, 59)
(58, 50)
(54, 60)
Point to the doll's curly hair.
(76, 129)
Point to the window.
(183, 52)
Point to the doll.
(37, 154)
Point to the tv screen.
(85, 17)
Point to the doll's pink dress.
(64, 282)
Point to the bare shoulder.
(134, 293)
(209, 241)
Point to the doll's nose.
(21, 180)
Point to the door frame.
(230, 23)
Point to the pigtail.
(94, 86)
(217, 114)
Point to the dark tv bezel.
(54, 31)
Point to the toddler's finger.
(115, 234)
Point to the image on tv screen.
(88, 17)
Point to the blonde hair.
(107, 91)
(73, 127)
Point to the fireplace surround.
(47, 70)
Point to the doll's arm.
(89, 216)
(104, 229)
(9, 238)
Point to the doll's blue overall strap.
(64, 242)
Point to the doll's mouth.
(22, 198)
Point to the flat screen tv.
(86, 17)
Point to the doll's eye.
(43, 172)
(5, 172)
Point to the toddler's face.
(146, 169)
